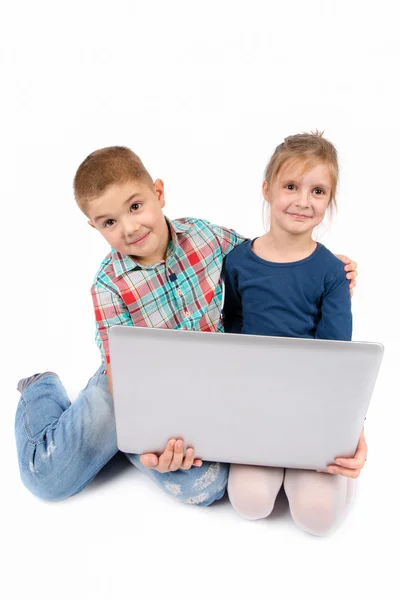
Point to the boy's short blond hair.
(307, 150)
(105, 167)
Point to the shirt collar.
(123, 263)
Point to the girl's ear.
(91, 224)
(265, 190)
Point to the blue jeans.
(62, 446)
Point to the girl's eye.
(135, 206)
(109, 222)
(290, 186)
(319, 191)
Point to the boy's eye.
(109, 222)
(135, 206)
(290, 186)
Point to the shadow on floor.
(281, 507)
(114, 469)
(119, 466)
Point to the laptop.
(248, 399)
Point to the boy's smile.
(129, 216)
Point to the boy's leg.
(62, 446)
(318, 501)
(198, 485)
(253, 490)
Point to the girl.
(286, 284)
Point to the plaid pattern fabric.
(182, 292)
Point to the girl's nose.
(302, 199)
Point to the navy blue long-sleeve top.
(308, 298)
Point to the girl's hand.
(171, 459)
(351, 270)
(351, 467)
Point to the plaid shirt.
(184, 291)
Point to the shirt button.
(179, 292)
(187, 313)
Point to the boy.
(159, 273)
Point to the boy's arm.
(336, 318)
(228, 239)
(232, 309)
(109, 310)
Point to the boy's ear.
(265, 190)
(91, 224)
(159, 191)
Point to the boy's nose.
(130, 226)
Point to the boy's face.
(298, 201)
(129, 216)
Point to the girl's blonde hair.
(307, 150)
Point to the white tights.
(317, 501)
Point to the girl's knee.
(253, 490)
(315, 515)
(251, 505)
(316, 500)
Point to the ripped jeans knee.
(199, 485)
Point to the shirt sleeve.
(227, 238)
(232, 309)
(109, 310)
(336, 319)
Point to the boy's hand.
(351, 270)
(171, 459)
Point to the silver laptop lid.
(239, 398)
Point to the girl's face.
(298, 201)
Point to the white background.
(203, 92)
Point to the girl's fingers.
(351, 463)
(352, 473)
